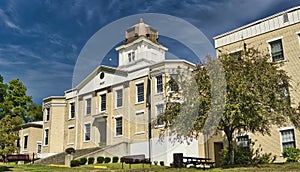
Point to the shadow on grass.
(5, 168)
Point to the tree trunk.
(230, 152)
(230, 147)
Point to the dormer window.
(131, 56)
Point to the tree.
(15, 102)
(9, 134)
(256, 93)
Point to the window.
(287, 138)
(87, 132)
(72, 110)
(25, 142)
(47, 114)
(39, 148)
(140, 92)
(103, 102)
(159, 111)
(119, 98)
(237, 55)
(119, 126)
(46, 137)
(131, 56)
(173, 84)
(159, 84)
(285, 18)
(276, 50)
(88, 103)
(242, 140)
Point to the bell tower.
(140, 45)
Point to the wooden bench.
(17, 157)
(134, 159)
(195, 161)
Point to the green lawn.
(138, 167)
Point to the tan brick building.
(277, 35)
(112, 105)
(31, 138)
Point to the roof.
(259, 27)
(36, 124)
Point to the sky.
(40, 40)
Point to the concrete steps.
(60, 157)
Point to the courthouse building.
(279, 36)
(112, 105)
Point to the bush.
(162, 163)
(91, 160)
(247, 156)
(100, 159)
(82, 161)
(291, 154)
(75, 163)
(115, 159)
(107, 159)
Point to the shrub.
(83, 161)
(91, 160)
(247, 156)
(115, 159)
(107, 159)
(291, 154)
(162, 163)
(75, 163)
(100, 159)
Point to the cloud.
(7, 21)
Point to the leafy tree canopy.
(257, 96)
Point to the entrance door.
(218, 147)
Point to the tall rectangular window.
(159, 84)
(46, 137)
(87, 132)
(39, 148)
(103, 102)
(119, 126)
(88, 103)
(276, 50)
(159, 112)
(25, 142)
(72, 110)
(119, 98)
(287, 138)
(140, 92)
(47, 114)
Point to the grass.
(287, 167)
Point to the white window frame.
(70, 111)
(139, 112)
(157, 115)
(86, 106)
(270, 49)
(38, 143)
(100, 102)
(116, 97)
(84, 134)
(243, 135)
(285, 129)
(25, 135)
(298, 35)
(136, 92)
(47, 137)
(47, 115)
(117, 117)
(131, 56)
(156, 84)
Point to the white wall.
(163, 150)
